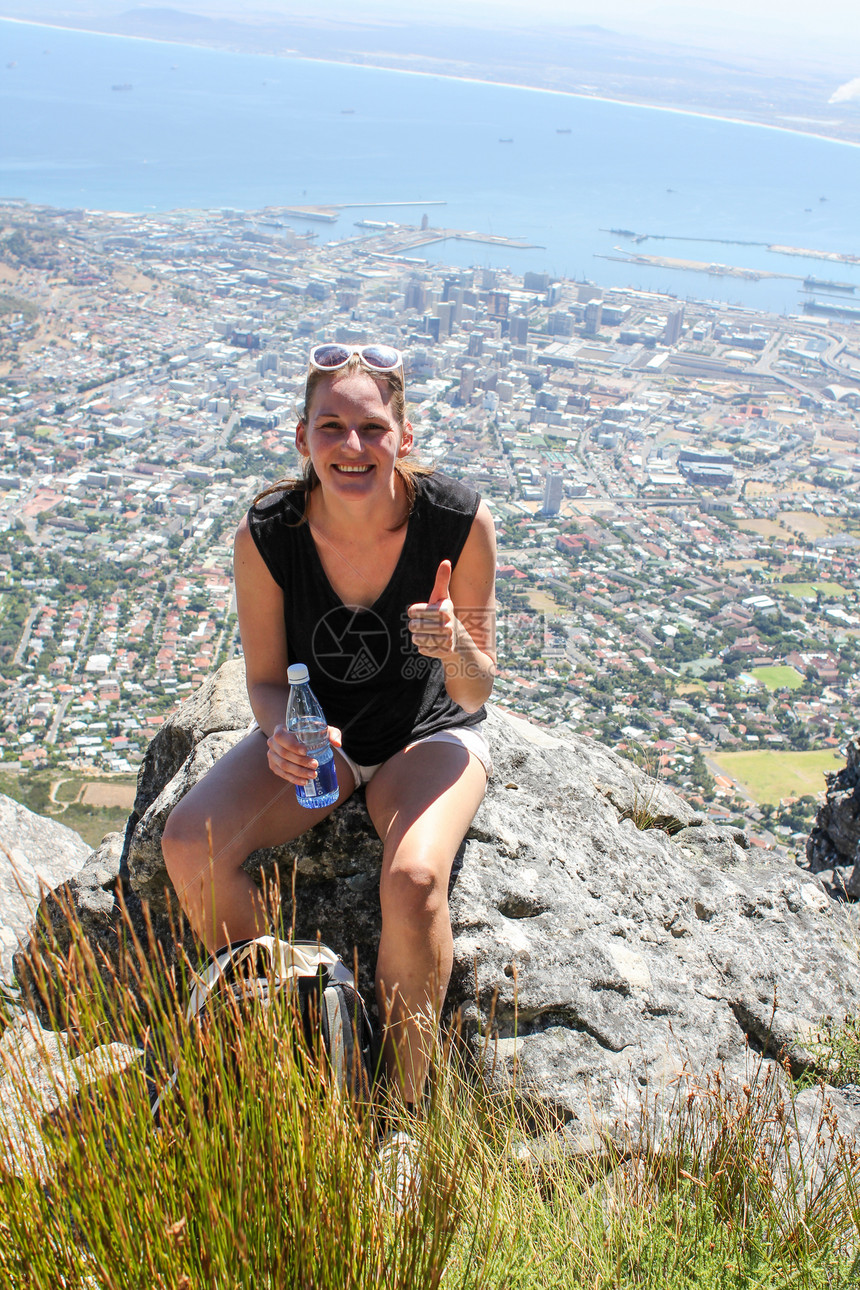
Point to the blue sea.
(200, 128)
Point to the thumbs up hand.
(433, 624)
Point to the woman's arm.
(260, 606)
(458, 624)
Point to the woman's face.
(352, 435)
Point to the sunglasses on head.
(375, 358)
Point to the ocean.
(199, 128)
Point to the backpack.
(304, 975)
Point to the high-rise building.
(518, 329)
(476, 344)
(535, 281)
(498, 303)
(450, 285)
(467, 382)
(674, 326)
(444, 311)
(553, 493)
(560, 323)
(415, 296)
(593, 317)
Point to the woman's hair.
(406, 469)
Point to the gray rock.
(592, 959)
(105, 904)
(39, 1073)
(221, 704)
(835, 837)
(36, 854)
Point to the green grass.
(93, 822)
(68, 789)
(778, 678)
(32, 789)
(800, 589)
(836, 1047)
(10, 304)
(770, 776)
(260, 1175)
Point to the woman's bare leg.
(236, 808)
(421, 801)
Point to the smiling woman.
(379, 576)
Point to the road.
(51, 736)
(18, 656)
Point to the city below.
(675, 486)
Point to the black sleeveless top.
(367, 674)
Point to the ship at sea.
(811, 284)
(125, 86)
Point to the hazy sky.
(813, 28)
(821, 30)
(776, 24)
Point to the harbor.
(397, 238)
(811, 283)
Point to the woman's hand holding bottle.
(289, 758)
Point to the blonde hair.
(405, 468)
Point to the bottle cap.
(297, 673)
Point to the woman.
(378, 576)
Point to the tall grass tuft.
(260, 1174)
(836, 1047)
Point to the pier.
(426, 236)
(699, 266)
(834, 257)
(404, 237)
(330, 211)
(677, 237)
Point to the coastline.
(295, 55)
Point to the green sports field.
(769, 776)
(800, 589)
(778, 678)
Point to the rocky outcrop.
(35, 854)
(834, 843)
(597, 959)
(39, 1073)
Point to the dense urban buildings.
(676, 485)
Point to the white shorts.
(469, 737)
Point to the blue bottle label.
(321, 791)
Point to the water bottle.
(305, 719)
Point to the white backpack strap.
(205, 981)
(305, 958)
(286, 960)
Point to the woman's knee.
(414, 887)
(186, 837)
